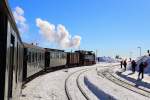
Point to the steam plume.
(58, 34)
(20, 19)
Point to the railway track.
(67, 90)
(79, 86)
(108, 75)
(79, 73)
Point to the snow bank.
(139, 60)
(106, 59)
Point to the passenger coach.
(55, 58)
(34, 60)
(11, 55)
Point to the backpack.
(145, 64)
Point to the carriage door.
(11, 59)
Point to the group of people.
(142, 66)
(124, 63)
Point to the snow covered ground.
(51, 86)
(133, 77)
(46, 87)
(107, 90)
(144, 83)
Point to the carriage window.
(32, 56)
(43, 56)
(60, 55)
(63, 55)
(52, 55)
(40, 56)
(17, 63)
(10, 85)
(36, 58)
(57, 55)
(29, 57)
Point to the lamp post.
(140, 50)
(96, 53)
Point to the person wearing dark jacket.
(125, 64)
(121, 63)
(133, 64)
(141, 69)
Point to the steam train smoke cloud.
(57, 34)
(20, 19)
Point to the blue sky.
(110, 26)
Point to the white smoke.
(20, 19)
(58, 34)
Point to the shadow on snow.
(98, 92)
(137, 82)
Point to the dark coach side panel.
(3, 48)
(47, 60)
(25, 64)
(10, 49)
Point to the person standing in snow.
(133, 65)
(121, 63)
(148, 52)
(130, 59)
(125, 64)
(141, 69)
